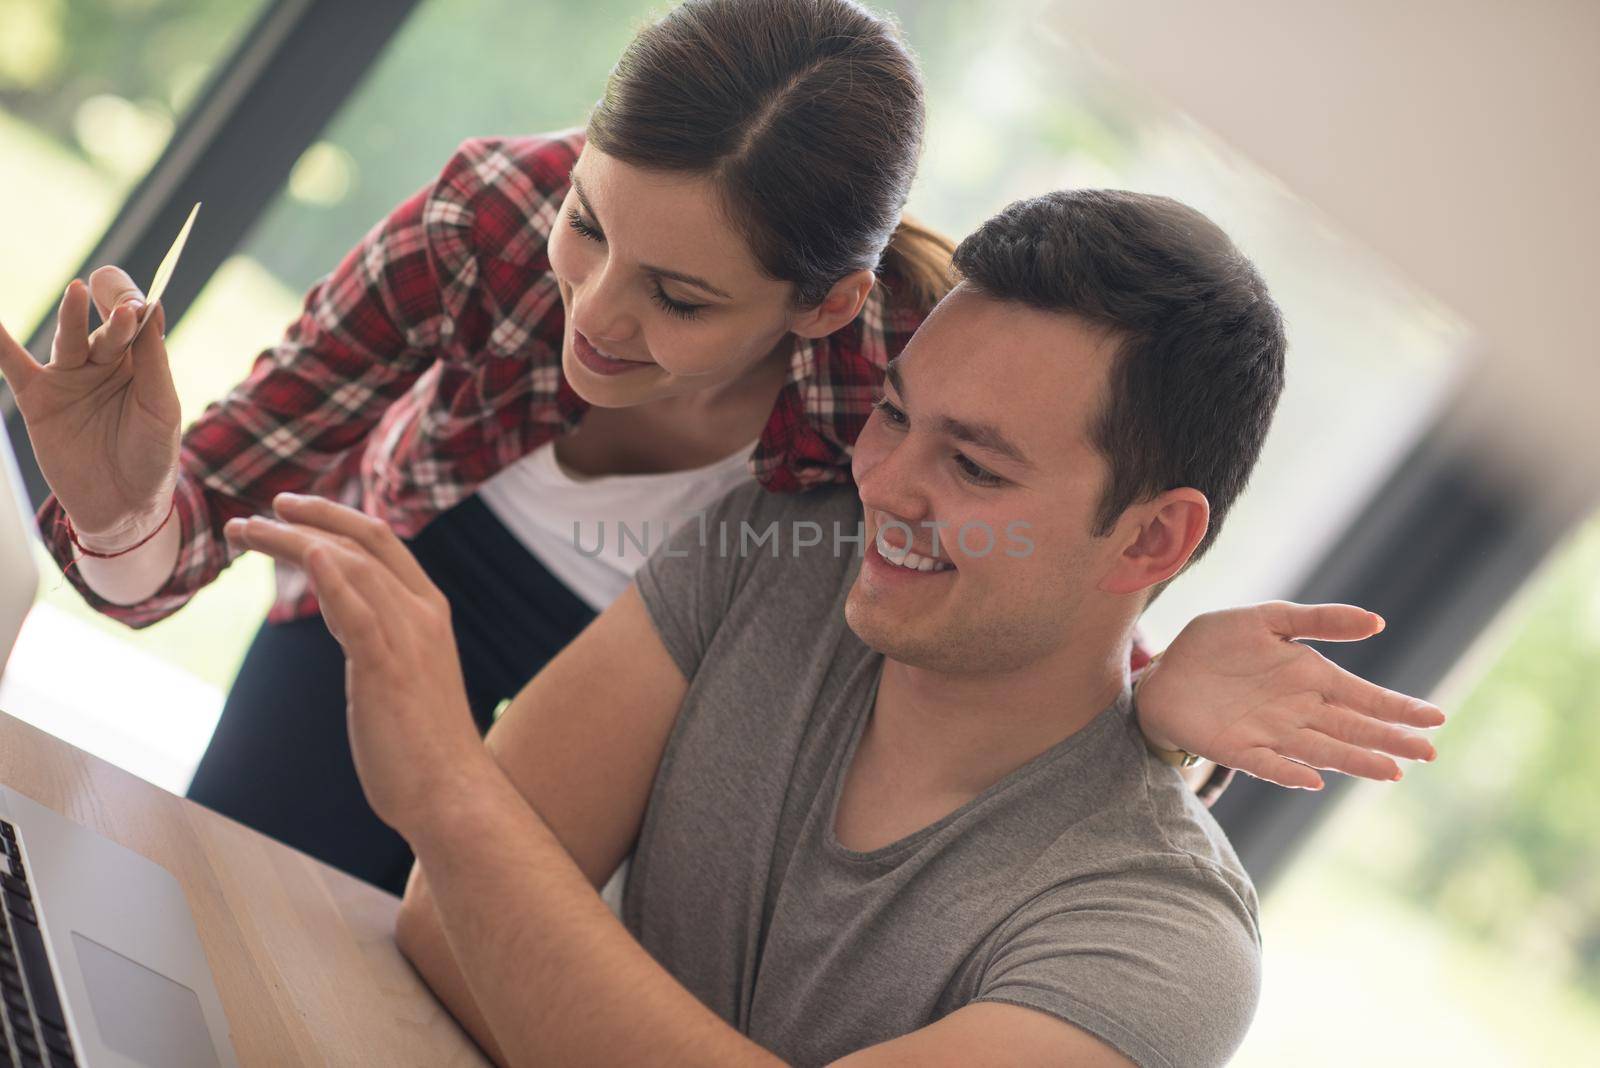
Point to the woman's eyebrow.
(676, 276)
(688, 279)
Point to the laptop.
(100, 962)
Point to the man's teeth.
(915, 561)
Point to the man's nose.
(895, 484)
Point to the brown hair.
(809, 115)
(1200, 366)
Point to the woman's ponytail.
(918, 263)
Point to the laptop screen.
(19, 570)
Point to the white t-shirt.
(592, 534)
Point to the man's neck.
(957, 734)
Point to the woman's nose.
(599, 308)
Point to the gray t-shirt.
(1089, 883)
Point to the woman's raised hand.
(1236, 687)
(103, 416)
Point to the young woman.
(616, 325)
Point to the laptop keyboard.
(34, 1033)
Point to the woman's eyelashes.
(584, 227)
(675, 308)
(972, 472)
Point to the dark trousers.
(280, 758)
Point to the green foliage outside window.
(1507, 840)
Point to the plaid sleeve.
(1139, 656)
(1212, 788)
(365, 334)
(828, 395)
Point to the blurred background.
(1415, 182)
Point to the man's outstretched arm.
(581, 744)
(553, 974)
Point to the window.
(1454, 917)
(89, 94)
(1013, 111)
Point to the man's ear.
(1158, 537)
(839, 308)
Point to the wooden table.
(303, 955)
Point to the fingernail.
(1380, 619)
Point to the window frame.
(263, 105)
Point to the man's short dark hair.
(1200, 363)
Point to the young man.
(874, 756)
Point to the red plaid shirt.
(430, 359)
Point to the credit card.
(164, 272)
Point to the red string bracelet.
(141, 543)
